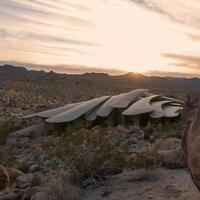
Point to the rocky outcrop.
(24, 181)
(16, 185)
(32, 134)
(8, 176)
(171, 152)
(191, 142)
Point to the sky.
(154, 37)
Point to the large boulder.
(171, 152)
(191, 142)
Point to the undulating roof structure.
(120, 101)
(142, 106)
(134, 103)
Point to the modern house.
(137, 106)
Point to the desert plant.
(36, 180)
(169, 129)
(5, 159)
(146, 159)
(22, 167)
(60, 189)
(90, 154)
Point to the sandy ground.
(162, 184)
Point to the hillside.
(23, 91)
(51, 88)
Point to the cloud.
(46, 38)
(47, 4)
(183, 11)
(193, 37)
(188, 61)
(105, 33)
(27, 8)
(171, 74)
(150, 5)
(3, 33)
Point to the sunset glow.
(114, 36)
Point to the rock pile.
(31, 135)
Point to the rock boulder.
(171, 152)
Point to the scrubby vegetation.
(90, 154)
(168, 129)
(147, 159)
(94, 153)
(5, 159)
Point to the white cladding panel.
(172, 111)
(123, 100)
(77, 111)
(52, 112)
(158, 111)
(140, 107)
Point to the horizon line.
(69, 69)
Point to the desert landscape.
(88, 161)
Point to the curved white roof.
(158, 111)
(172, 111)
(175, 104)
(52, 112)
(77, 111)
(172, 99)
(123, 100)
(140, 107)
(106, 109)
(119, 101)
(91, 117)
(92, 114)
(167, 98)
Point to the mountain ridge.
(8, 68)
(40, 88)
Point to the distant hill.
(29, 87)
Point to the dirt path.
(162, 184)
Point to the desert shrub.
(36, 180)
(61, 189)
(90, 154)
(5, 129)
(80, 125)
(169, 129)
(22, 167)
(146, 159)
(5, 159)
